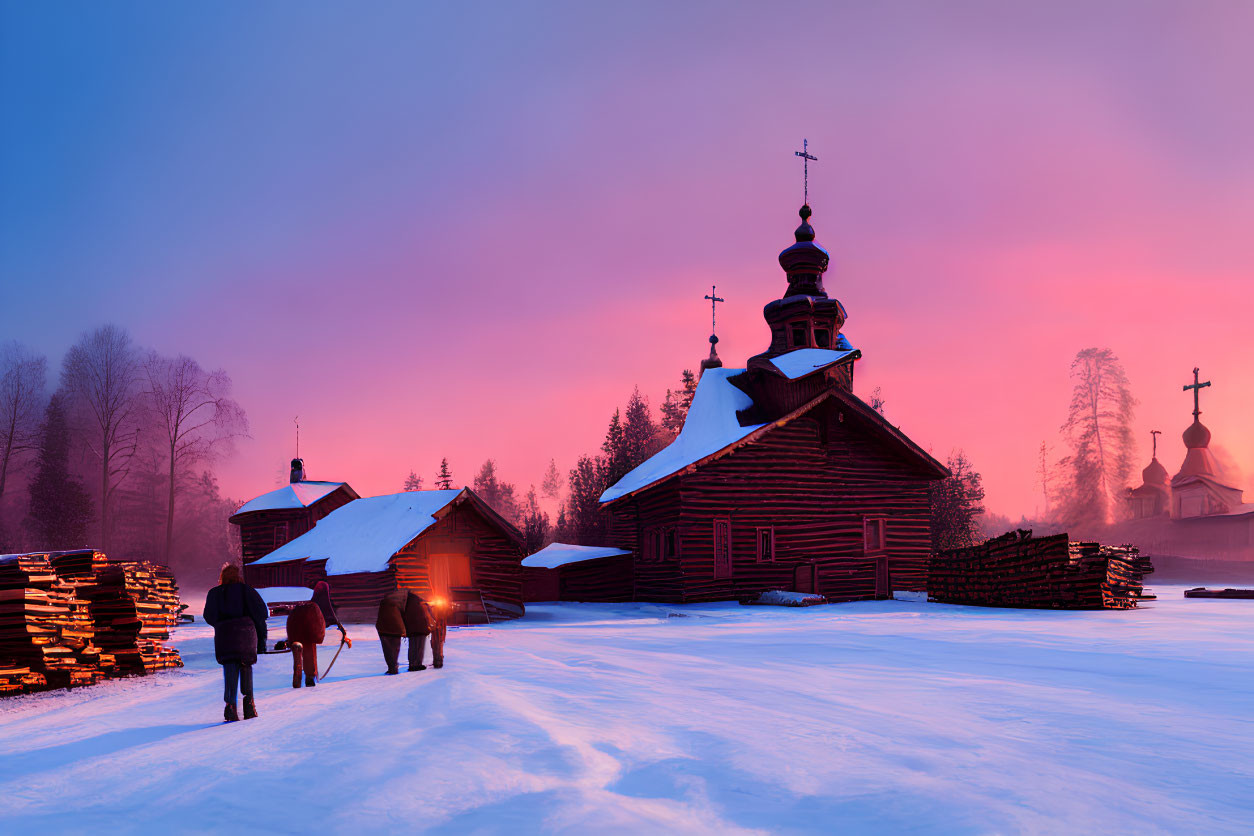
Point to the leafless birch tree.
(101, 373)
(195, 415)
(23, 380)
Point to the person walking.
(403, 614)
(437, 616)
(306, 628)
(238, 617)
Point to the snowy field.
(894, 716)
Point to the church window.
(766, 545)
(799, 336)
(873, 535)
(722, 549)
(821, 338)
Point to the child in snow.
(238, 617)
(306, 628)
(402, 613)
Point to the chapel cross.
(1154, 434)
(1196, 387)
(296, 421)
(714, 300)
(805, 154)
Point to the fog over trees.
(120, 457)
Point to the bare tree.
(1043, 473)
(101, 374)
(1099, 428)
(23, 379)
(195, 415)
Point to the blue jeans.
(235, 675)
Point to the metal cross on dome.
(1154, 434)
(714, 300)
(805, 155)
(1196, 387)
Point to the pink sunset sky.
(470, 232)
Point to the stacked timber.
(43, 626)
(134, 605)
(72, 618)
(1019, 570)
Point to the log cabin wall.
(812, 483)
(600, 579)
(261, 532)
(654, 578)
(288, 573)
(495, 559)
(356, 595)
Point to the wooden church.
(781, 477)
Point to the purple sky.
(470, 231)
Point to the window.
(671, 544)
(799, 336)
(280, 534)
(873, 535)
(722, 549)
(653, 544)
(821, 338)
(766, 545)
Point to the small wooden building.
(441, 544)
(280, 516)
(781, 478)
(562, 572)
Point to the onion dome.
(1196, 436)
(805, 261)
(713, 361)
(1154, 473)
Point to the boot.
(250, 708)
(296, 664)
(230, 714)
(310, 682)
(418, 668)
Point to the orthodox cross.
(714, 300)
(1154, 434)
(805, 155)
(296, 421)
(1196, 387)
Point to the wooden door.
(883, 580)
(449, 571)
(722, 549)
(803, 578)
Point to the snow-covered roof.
(711, 425)
(559, 554)
(284, 594)
(295, 495)
(364, 534)
(804, 361)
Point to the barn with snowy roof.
(781, 477)
(443, 544)
(268, 521)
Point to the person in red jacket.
(306, 628)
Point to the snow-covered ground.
(890, 716)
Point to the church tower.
(1152, 497)
(1196, 490)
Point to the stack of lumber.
(72, 618)
(1019, 570)
(43, 625)
(134, 605)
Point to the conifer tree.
(639, 432)
(535, 523)
(413, 482)
(551, 487)
(585, 522)
(612, 447)
(675, 407)
(500, 495)
(444, 479)
(957, 504)
(60, 507)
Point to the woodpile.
(1019, 570)
(73, 618)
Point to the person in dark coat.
(403, 614)
(306, 628)
(437, 615)
(238, 617)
